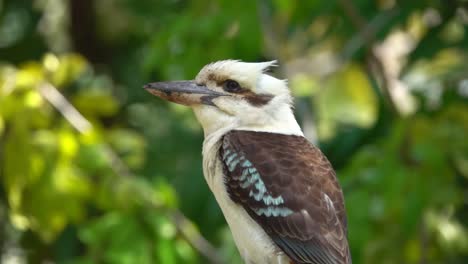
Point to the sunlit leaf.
(302, 85)
(347, 98)
(29, 76)
(68, 69)
(33, 99)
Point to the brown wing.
(290, 189)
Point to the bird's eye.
(232, 86)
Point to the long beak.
(183, 92)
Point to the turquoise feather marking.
(234, 163)
(273, 211)
(254, 177)
(257, 196)
(245, 172)
(245, 184)
(250, 180)
(250, 176)
(260, 187)
(230, 158)
(275, 201)
(226, 153)
(246, 164)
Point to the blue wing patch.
(249, 178)
(289, 188)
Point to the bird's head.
(232, 94)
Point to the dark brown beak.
(183, 92)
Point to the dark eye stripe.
(258, 99)
(254, 99)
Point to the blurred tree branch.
(184, 226)
(447, 12)
(55, 98)
(367, 33)
(83, 30)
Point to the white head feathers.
(263, 104)
(240, 71)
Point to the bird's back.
(290, 189)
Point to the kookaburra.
(278, 192)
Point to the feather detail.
(290, 189)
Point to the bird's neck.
(215, 123)
(281, 122)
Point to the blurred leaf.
(65, 69)
(17, 168)
(301, 85)
(29, 76)
(129, 145)
(346, 98)
(96, 103)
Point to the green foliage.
(339, 102)
(120, 237)
(95, 170)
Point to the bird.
(278, 192)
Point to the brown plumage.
(291, 191)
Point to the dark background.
(95, 170)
